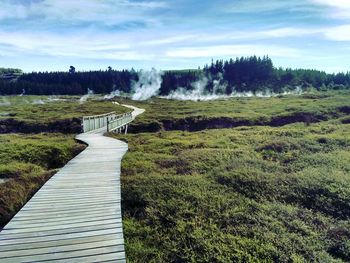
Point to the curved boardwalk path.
(76, 215)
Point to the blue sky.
(94, 34)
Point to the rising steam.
(148, 84)
(199, 92)
(84, 98)
(38, 102)
(54, 99)
(5, 102)
(114, 93)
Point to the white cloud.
(234, 36)
(289, 32)
(103, 11)
(333, 33)
(232, 50)
(335, 3)
(9, 10)
(144, 4)
(338, 33)
(99, 47)
(72, 29)
(168, 40)
(338, 9)
(151, 45)
(257, 6)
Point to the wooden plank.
(60, 219)
(83, 201)
(67, 226)
(82, 195)
(88, 214)
(61, 201)
(81, 189)
(40, 206)
(67, 230)
(59, 249)
(31, 223)
(117, 257)
(61, 242)
(78, 209)
(66, 238)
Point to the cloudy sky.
(94, 34)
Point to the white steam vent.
(148, 85)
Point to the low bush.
(249, 194)
(26, 163)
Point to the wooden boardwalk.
(76, 215)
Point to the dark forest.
(245, 74)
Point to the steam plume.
(86, 96)
(5, 102)
(200, 93)
(38, 102)
(114, 93)
(148, 85)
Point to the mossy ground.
(245, 194)
(26, 163)
(44, 109)
(162, 114)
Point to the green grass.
(162, 114)
(24, 108)
(247, 194)
(26, 163)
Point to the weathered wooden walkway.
(76, 215)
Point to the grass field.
(26, 163)
(162, 114)
(244, 194)
(33, 114)
(273, 186)
(43, 109)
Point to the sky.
(51, 35)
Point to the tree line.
(245, 74)
(10, 71)
(69, 83)
(252, 74)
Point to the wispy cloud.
(233, 51)
(100, 47)
(66, 11)
(341, 4)
(256, 6)
(169, 40)
(339, 33)
(168, 33)
(10, 10)
(338, 9)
